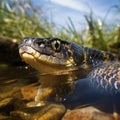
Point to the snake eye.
(56, 45)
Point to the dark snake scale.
(52, 55)
(106, 77)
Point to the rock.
(87, 113)
(2, 117)
(21, 115)
(29, 92)
(10, 104)
(47, 112)
(13, 92)
(52, 112)
(9, 51)
(5, 102)
(6, 105)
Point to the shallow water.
(14, 78)
(69, 89)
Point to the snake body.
(53, 55)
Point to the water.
(71, 89)
(12, 78)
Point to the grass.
(17, 22)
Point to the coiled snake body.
(53, 56)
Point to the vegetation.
(19, 19)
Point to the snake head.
(48, 54)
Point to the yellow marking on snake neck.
(106, 56)
(85, 65)
(85, 59)
(70, 62)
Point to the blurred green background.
(19, 19)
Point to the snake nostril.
(26, 39)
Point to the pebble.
(87, 113)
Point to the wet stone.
(87, 113)
(11, 92)
(29, 92)
(5, 102)
(2, 117)
(47, 112)
(6, 105)
(10, 104)
(9, 49)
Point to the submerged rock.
(9, 51)
(29, 92)
(87, 113)
(5, 102)
(2, 117)
(47, 112)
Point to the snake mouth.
(41, 62)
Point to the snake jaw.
(44, 63)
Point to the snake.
(53, 55)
